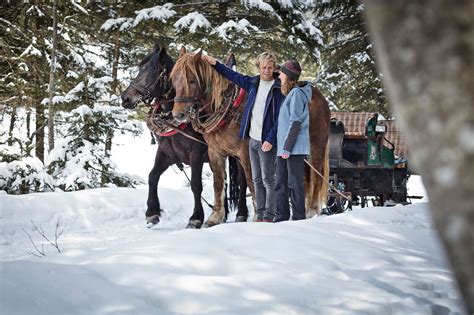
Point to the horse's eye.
(192, 81)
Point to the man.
(259, 123)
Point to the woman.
(292, 143)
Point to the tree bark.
(425, 49)
(12, 126)
(115, 64)
(28, 120)
(51, 110)
(40, 121)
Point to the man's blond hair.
(264, 57)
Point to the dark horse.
(152, 82)
(199, 88)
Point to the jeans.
(290, 185)
(263, 176)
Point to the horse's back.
(320, 115)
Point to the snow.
(35, 8)
(242, 26)
(160, 13)
(112, 23)
(192, 21)
(31, 50)
(258, 4)
(367, 261)
(79, 7)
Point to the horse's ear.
(162, 53)
(182, 51)
(157, 47)
(197, 56)
(230, 60)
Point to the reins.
(181, 168)
(327, 182)
(179, 130)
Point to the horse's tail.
(323, 195)
(234, 189)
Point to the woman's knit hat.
(292, 69)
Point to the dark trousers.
(290, 186)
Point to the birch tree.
(426, 51)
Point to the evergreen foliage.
(100, 45)
(24, 176)
(348, 75)
(79, 161)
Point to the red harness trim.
(172, 132)
(238, 100)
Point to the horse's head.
(152, 80)
(197, 85)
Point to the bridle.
(196, 101)
(145, 93)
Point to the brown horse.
(199, 88)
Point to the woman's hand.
(285, 156)
(266, 146)
(210, 60)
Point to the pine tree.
(245, 27)
(348, 75)
(79, 161)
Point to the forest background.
(64, 64)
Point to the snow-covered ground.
(366, 261)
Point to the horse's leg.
(217, 163)
(153, 203)
(197, 218)
(245, 164)
(243, 211)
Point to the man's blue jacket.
(272, 105)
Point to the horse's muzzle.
(126, 101)
(180, 117)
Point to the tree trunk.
(425, 50)
(39, 133)
(51, 110)
(12, 126)
(28, 120)
(115, 64)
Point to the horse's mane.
(215, 84)
(146, 59)
(169, 63)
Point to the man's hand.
(210, 60)
(285, 156)
(266, 146)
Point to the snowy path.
(368, 261)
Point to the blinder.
(145, 93)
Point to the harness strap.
(173, 132)
(155, 121)
(177, 129)
(219, 118)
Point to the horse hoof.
(241, 218)
(209, 224)
(194, 224)
(152, 220)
